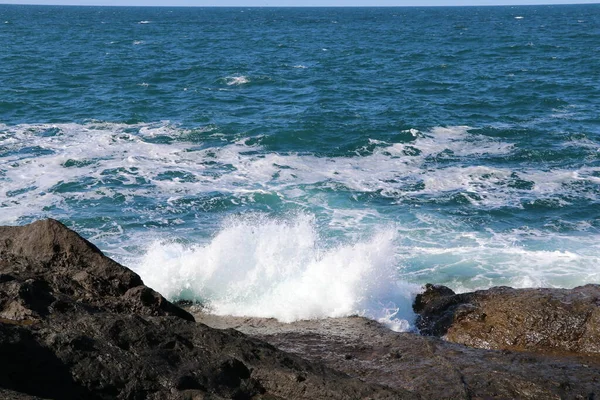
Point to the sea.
(303, 163)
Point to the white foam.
(466, 260)
(264, 267)
(159, 165)
(274, 268)
(129, 153)
(236, 80)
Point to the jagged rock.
(74, 324)
(44, 266)
(540, 320)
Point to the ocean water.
(310, 162)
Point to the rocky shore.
(74, 324)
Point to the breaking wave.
(278, 269)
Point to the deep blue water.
(309, 162)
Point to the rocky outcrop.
(426, 365)
(539, 320)
(76, 325)
(47, 269)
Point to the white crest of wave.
(277, 269)
(236, 80)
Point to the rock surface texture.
(539, 320)
(76, 325)
(428, 366)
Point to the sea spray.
(263, 267)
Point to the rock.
(10, 395)
(540, 320)
(426, 365)
(75, 324)
(44, 266)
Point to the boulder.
(537, 320)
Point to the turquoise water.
(311, 162)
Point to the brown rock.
(541, 320)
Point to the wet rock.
(74, 324)
(540, 320)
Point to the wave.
(272, 268)
(467, 260)
(236, 80)
(48, 165)
(369, 227)
(260, 266)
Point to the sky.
(272, 3)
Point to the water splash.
(263, 267)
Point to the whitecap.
(395, 170)
(427, 249)
(236, 80)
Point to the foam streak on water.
(156, 173)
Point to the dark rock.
(76, 325)
(426, 365)
(435, 307)
(540, 320)
(48, 263)
(12, 395)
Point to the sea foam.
(139, 158)
(236, 80)
(132, 179)
(262, 267)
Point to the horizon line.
(300, 6)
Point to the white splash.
(236, 80)
(272, 268)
